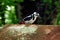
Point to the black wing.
(27, 18)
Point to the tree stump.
(30, 32)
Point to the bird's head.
(36, 14)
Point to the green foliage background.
(10, 16)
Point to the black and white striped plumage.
(31, 18)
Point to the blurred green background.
(8, 11)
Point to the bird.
(30, 19)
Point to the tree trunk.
(18, 12)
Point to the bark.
(18, 12)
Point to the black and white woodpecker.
(30, 19)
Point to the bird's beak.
(39, 16)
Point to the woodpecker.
(30, 18)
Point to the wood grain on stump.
(54, 35)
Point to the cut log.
(30, 32)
